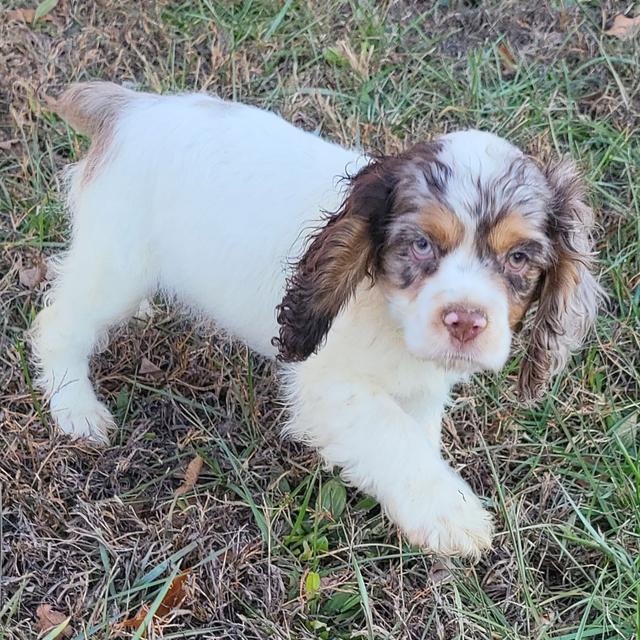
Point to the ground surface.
(96, 533)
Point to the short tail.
(91, 107)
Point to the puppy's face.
(462, 235)
(465, 248)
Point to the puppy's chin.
(466, 361)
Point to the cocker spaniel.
(417, 280)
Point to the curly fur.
(569, 292)
(339, 256)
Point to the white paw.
(90, 420)
(444, 516)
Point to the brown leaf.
(176, 594)
(25, 15)
(147, 368)
(136, 621)
(172, 600)
(48, 618)
(190, 476)
(5, 145)
(564, 20)
(623, 27)
(32, 276)
(507, 59)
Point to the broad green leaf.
(333, 498)
(312, 584)
(45, 7)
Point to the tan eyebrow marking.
(441, 224)
(509, 231)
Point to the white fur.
(375, 411)
(210, 200)
(461, 278)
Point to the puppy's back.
(212, 198)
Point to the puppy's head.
(462, 235)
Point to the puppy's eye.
(517, 261)
(422, 249)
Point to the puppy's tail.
(91, 107)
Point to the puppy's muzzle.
(464, 325)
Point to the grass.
(276, 546)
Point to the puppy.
(418, 279)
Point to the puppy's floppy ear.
(338, 257)
(569, 293)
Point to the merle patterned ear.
(569, 294)
(339, 256)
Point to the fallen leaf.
(440, 572)
(145, 311)
(507, 59)
(172, 599)
(564, 20)
(5, 145)
(136, 621)
(147, 368)
(176, 594)
(26, 15)
(190, 476)
(32, 276)
(623, 27)
(49, 618)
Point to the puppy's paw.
(90, 420)
(461, 528)
(449, 520)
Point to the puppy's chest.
(413, 378)
(423, 392)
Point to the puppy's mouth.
(468, 357)
(473, 358)
(465, 359)
(462, 361)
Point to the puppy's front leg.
(385, 452)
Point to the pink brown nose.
(464, 324)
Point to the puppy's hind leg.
(94, 290)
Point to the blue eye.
(422, 248)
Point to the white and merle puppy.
(418, 280)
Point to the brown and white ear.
(338, 257)
(569, 293)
